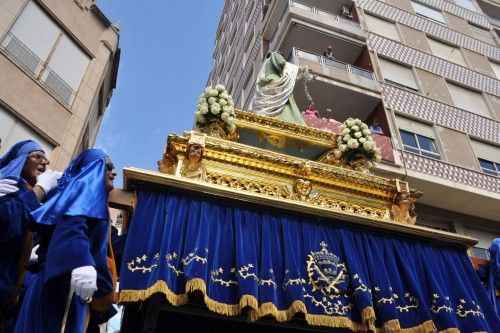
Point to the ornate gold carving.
(330, 158)
(193, 165)
(301, 191)
(285, 129)
(168, 164)
(270, 163)
(403, 209)
(281, 141)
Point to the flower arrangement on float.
(355, 146)
(215, 112)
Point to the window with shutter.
(398, 74)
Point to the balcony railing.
(324, 13)
(314, 10)
(337, 64)
(40, 71)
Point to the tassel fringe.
(269, 309)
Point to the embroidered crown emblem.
(325, 271)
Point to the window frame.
(425, 16)
(474, 9)
(495, 172)
(57, 83)
(419, 150)
(480, 253)
(396, 83)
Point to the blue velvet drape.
(279, 265)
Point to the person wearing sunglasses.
(74, 233)
(24, 182)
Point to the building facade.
(426, 71)
(58, 68)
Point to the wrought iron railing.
(26, 58)
(343, 66)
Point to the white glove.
(33, 255)
(48, 180)
(8, 186)
(84, 281)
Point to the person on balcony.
(311, 110)
(375, 128)
(329, 116)
(328, 53)
(24, 182)
(274, 90)
(73, 255)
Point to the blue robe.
(72, 242)
(14, 222)
(493, 283)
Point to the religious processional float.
(265, 216)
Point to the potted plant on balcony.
(215, 115)
(355, 146)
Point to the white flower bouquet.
(355, 145)
(216, 105)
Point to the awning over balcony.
(280, 265)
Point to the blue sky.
(166, 58)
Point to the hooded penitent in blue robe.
(493, 283)
(15, 244)
(73, 227)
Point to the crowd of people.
(56, 258)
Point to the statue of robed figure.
(274, 95)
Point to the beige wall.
(478, 62)
(8, 11)
(434, 86)
(494, 102)
(414, 38)
(457, 148)
(29, 100)
(401, 4)
(457, 23)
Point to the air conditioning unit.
(346, 12)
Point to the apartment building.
(58, 68)
(426, 70)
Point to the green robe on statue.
(274, 96)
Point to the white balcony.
(307, 26)
(348, 90)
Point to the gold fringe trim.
(450, 330)
(159, 286)
(368, 317)
(269, 309)
(331, 321)
(391, 325)
(394, 326)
